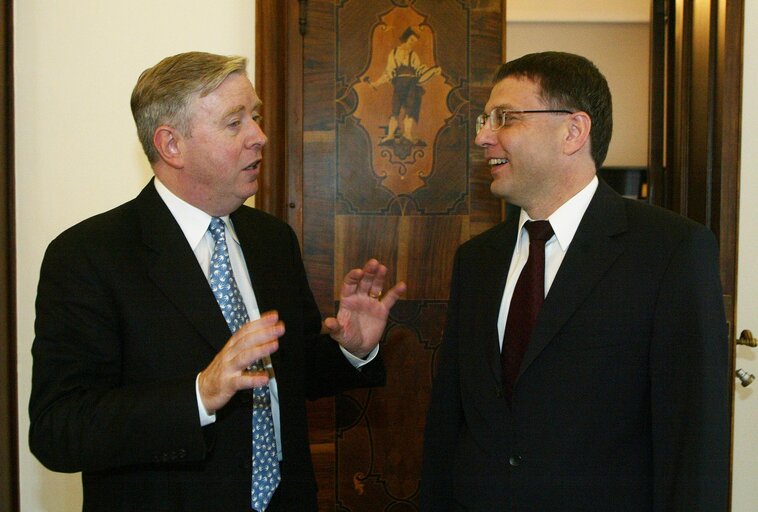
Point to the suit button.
(515, 461)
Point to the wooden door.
(358, 177)
(695, 118)
(696, 121)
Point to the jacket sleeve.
(690, 382)
(444, 418)
(84, 416)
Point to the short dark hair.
(571, 82)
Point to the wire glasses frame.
(499, 116)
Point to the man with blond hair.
(177, 338)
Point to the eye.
(506, 117)
(234, 123)
(257, 118)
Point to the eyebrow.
(505, 107)
(240, 108)
(233, 111)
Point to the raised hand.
(364, 308)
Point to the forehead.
(515, 93)
(235, 93)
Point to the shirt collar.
(193, 221)
(565, 220)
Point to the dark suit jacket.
(622, 400)
(125, 321)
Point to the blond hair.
(163, 92)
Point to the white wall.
(77, 153)
(745, 483)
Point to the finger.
(333, 326)
(266, 327)
(393, 295)
(259, 344)
(370, 271)
(351, 281)
(267, 319)
(375, 288)
(249, 380)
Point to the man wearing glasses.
(584, 362)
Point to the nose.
(485, 137)
(255, 137)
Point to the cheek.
(502, 138)
(227, 157)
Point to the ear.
(167, 141)
(578, 134)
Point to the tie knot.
(216, 229)
(539, 230)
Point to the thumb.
(333, 326)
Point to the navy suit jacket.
(126, 320)
(622, 398)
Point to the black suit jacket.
(125, 321)
(622, 400)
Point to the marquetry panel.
(407, 192)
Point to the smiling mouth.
(497, 161)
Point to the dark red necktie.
(527, 300)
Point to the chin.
(249, 189)
(498, 190)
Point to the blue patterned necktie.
(266, 475)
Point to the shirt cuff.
(205, 417)
(356, 361)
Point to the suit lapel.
(593, 250)
(251, 242)
(173, 268)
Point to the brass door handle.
(746, 338)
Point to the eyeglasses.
(499, 117)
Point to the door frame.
(278, 78)
(9, 475)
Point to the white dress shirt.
(194, 224)
(564, 221)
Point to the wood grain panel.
(410, 207)
(408, 202)
(318, 175)
(416, 249)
